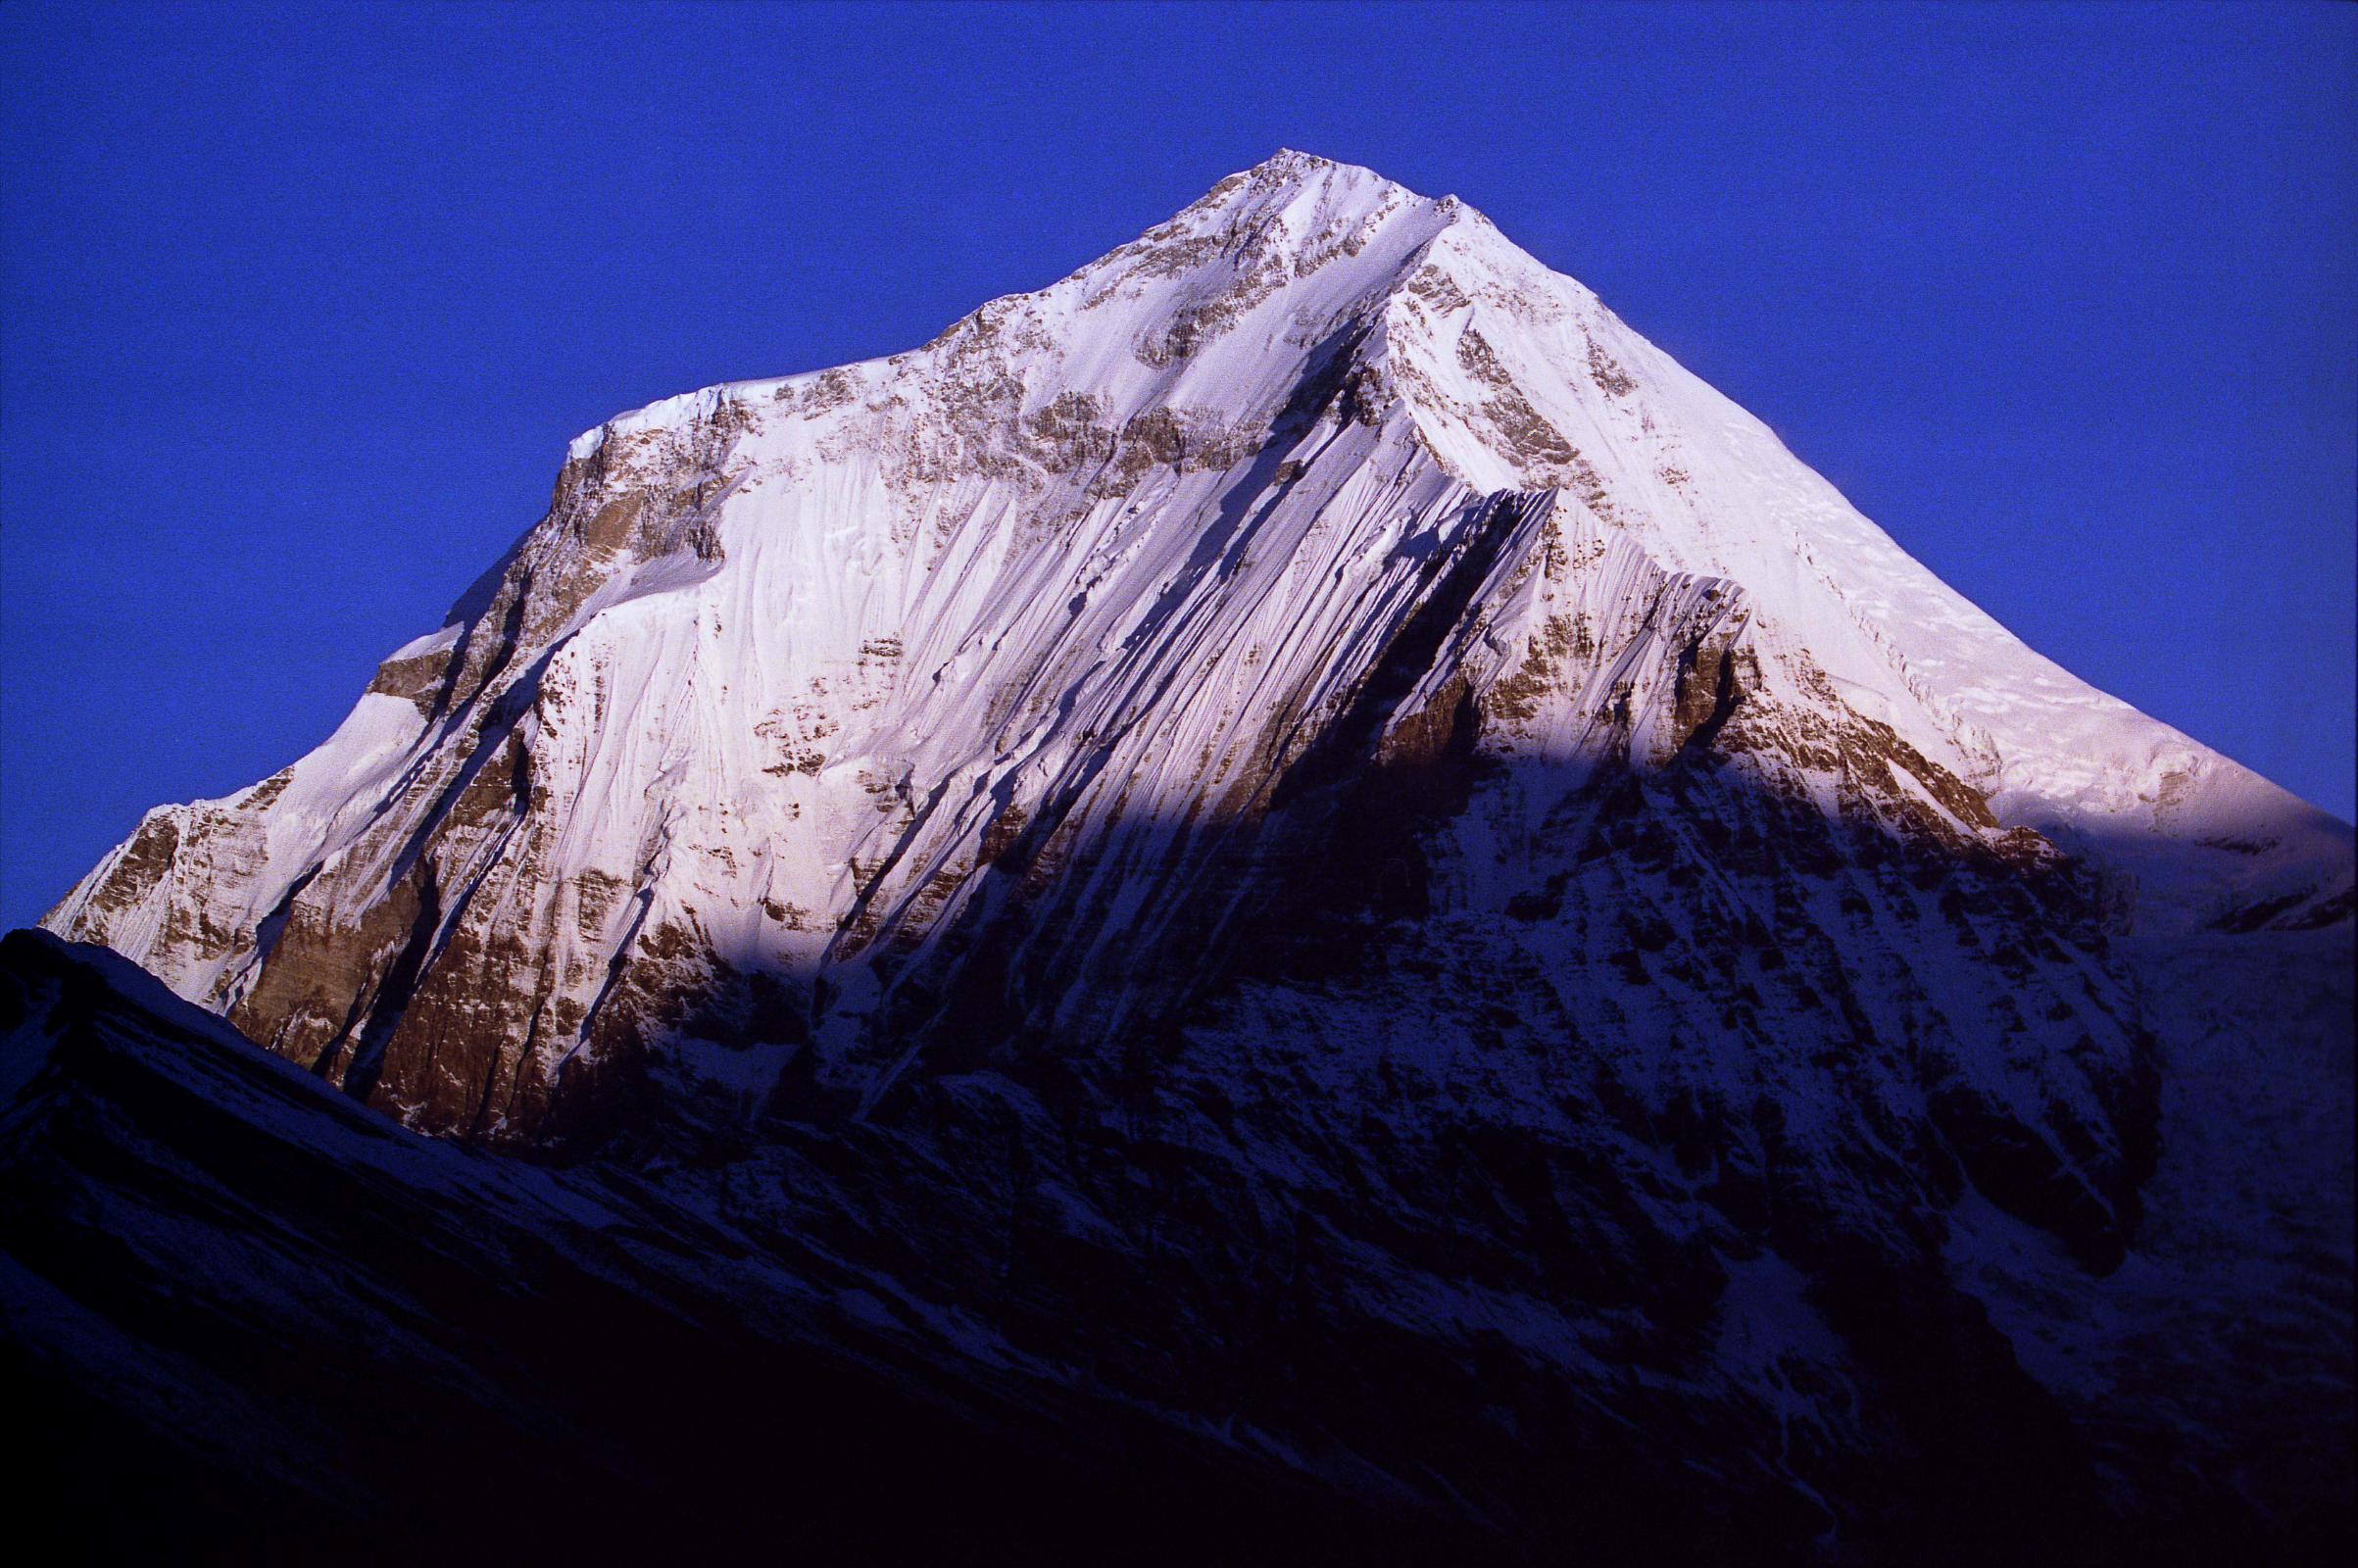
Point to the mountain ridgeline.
(1300, 843)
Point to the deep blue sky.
(301, 307)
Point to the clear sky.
(301, 304)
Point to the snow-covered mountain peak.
(824, 675)
(1292, 190)
(1231, 293)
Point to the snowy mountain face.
(1308, 789)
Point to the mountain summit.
(791, 666)
(1308, 787)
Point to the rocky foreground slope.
(1300, 838)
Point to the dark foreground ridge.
(282, 1325)
(249, 1318)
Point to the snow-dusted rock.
(789, 663)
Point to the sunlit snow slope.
(789, 662)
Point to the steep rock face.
(1305, 787)
(790, 666)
